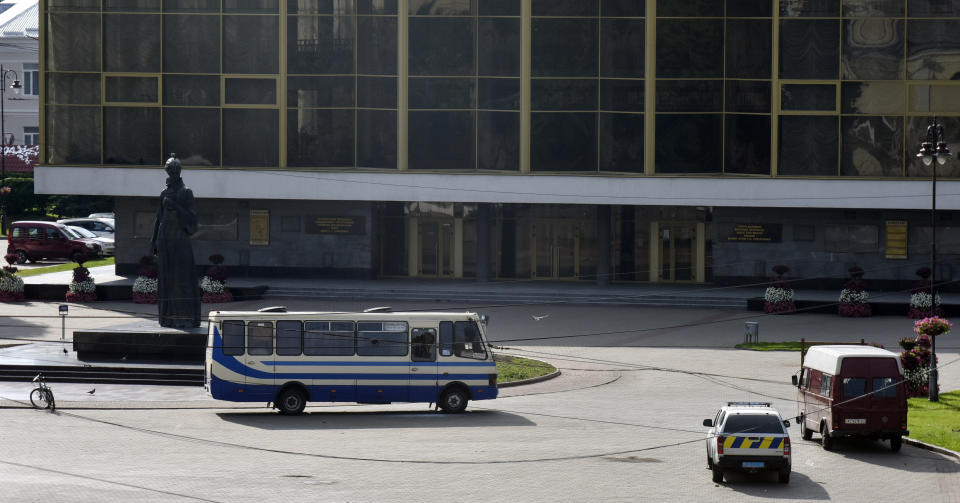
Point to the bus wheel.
(291, 401)
(453, 400)
(895, 443)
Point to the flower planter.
(145, 290)
(854, 310)
(783, 307)
(11, 296)
(144, 298)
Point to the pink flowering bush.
(214, 282)
(11, 285)
(916, 354)
(82, 288)
(778, 298)
(146, 285)
(854, 296)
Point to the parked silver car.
(100, 226)
(106, 243)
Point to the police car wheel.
(784, 477)
(717, 474)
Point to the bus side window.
(446, 338)
(289, 338)
(232, 337)
(424, 345)
(260, 338)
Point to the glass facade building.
(504, 96)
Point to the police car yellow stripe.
(756, 443)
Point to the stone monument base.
(141, 341)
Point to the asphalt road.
(623, 423)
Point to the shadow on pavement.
(765, 485)
(909, 458)
(374, 420)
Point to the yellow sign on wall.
(896, 239)
(260, 227)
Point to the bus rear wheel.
(453, 400)
(290, 401)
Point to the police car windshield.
(752, 423)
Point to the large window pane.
(320, 6)
(73, 88)
(565, 7)
(749, 8)
(132, 5)
(621, 142)
(441, 140)
(563, 94)
(935, 98)
(808, 97)
(441, 46)
(873, 49)
(621, 95)
(382, 339)
(749, 53)
(810, 8)
(748, 96)
(441, 7)
(382, 7)
(689, 8)
(621, 43)
(748, 144)
(377, 46)
(73, 42)
(250, 137)
(131, 43)
(322, 44)
(73, 135)
(320, 138)
(320, 91)
(689, 95)
(498, 141)
(377, 139)
(689, 143)
(377, 92)
(809, 49)
(933, 8)
(689, 48)
(191, 5)
(564, 48)
(250, 91)
(872, 97)
(191, 90)
(872, 146)
(194, 134)
(623, 8)
(563, 141)
(243, 53)
(932, 45)
(498, 46)
(916, 129)
(498, 94)
(232, 337)
(865, 8)
(73, 5)
(441, 93)
(808, 146)
(251, 6)
(131, 89)
(191, 44)
(499, 8)
(131, 136)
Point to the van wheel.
(825, 439)
(290, 401)
(717, 475)
(453, 400)
(896, 443)
(21, 256)
(783, 477)
(805, 432)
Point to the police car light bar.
(748, 404)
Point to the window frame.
(230, 350)
(285, 350)
(260, 349)
(311, 350)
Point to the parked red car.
(32, 241)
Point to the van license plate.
(752, 464)
(854, 421)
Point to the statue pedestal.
(141, 341)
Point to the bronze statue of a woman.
(177, 290)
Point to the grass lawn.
(512, 368)
(770, 346)
(64, 267)
(936, 423)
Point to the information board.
(756, 233)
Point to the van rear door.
(883, 409)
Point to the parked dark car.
(32, 241)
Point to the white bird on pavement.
(540, 317)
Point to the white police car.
(749, 437)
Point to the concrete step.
(105, 375)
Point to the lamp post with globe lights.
(3, 139)
(933, 152)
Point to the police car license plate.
(854, 421)
(752, 464)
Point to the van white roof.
(829, 359)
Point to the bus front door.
(422, 383)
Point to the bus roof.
(306, 315)
(829, 359)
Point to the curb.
(529, 381)
(931, 447)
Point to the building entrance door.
(436, 247)
(678, 251)
(556, 250)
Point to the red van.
(38, 240)
(851, 391)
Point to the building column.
(413, 247)
(603, 245)
(483, 242)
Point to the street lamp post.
(932, 147)
(3, 139)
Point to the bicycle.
(42, 396)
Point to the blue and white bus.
(291, 358)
